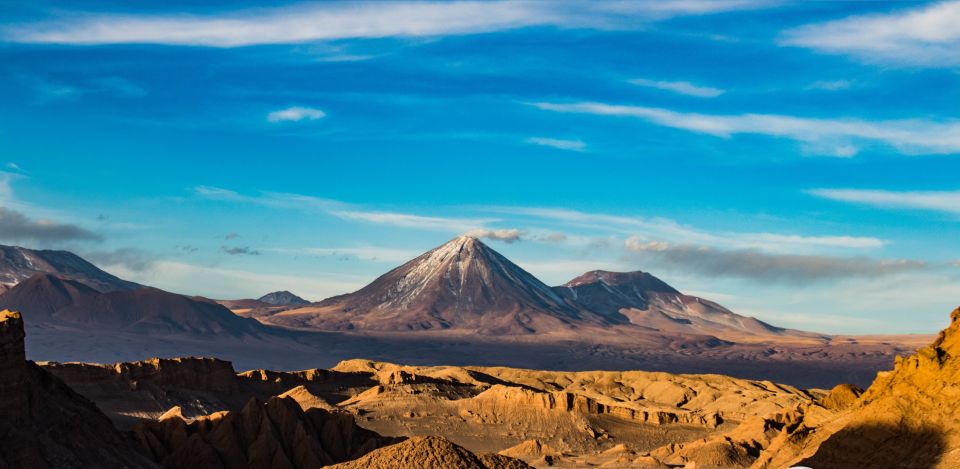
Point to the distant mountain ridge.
(607, 292)
(48, 299)
(643, 299)
(18, 264)
(282, 298)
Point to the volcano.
(463, 284)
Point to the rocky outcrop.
(13, 370)
(533, 450)
(307, 400)
(908, 415)
(906, 419)
(431, 453)
(842, 396)
(204, 374)
(127, 392)
(277, 434)
(500, 395)
(44, 424)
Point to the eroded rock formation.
(431, 453)
(277, 434)
(44, 424)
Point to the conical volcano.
(463, 284)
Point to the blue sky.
(792, 161)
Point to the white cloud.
(925, 36)
(938, 201)
(681, 87)
(295, 114)
(572, 145)
(910, 136)
(505, 235)
(342, 20)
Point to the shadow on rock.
(880, 446)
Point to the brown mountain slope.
(607, 292)
(18, 264)
(430, 452)
(47, 299)
(44, 424)
(642, 299)
(462, 285)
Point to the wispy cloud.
(347, 211)
(216, 282)
(560, 144)
(506, 235)
(938, 201)
(363, 253)
(295, 114)
(829, 85)
(47, 90)
(680, 87)
(239, 250)
(118, 86)
(133, 259)
(409, 220)
(761, 266)
(916, 136)
(341, 20)
(924, 36)
(15, 226)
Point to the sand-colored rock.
(430, 453)
(306, 399)
(147, 388)
(533, 450)
(277, 434)
(909, 417)
(841, 397)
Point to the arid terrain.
(199, 412)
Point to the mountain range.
(464, 285)
(460, 303)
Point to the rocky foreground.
(199, 412)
